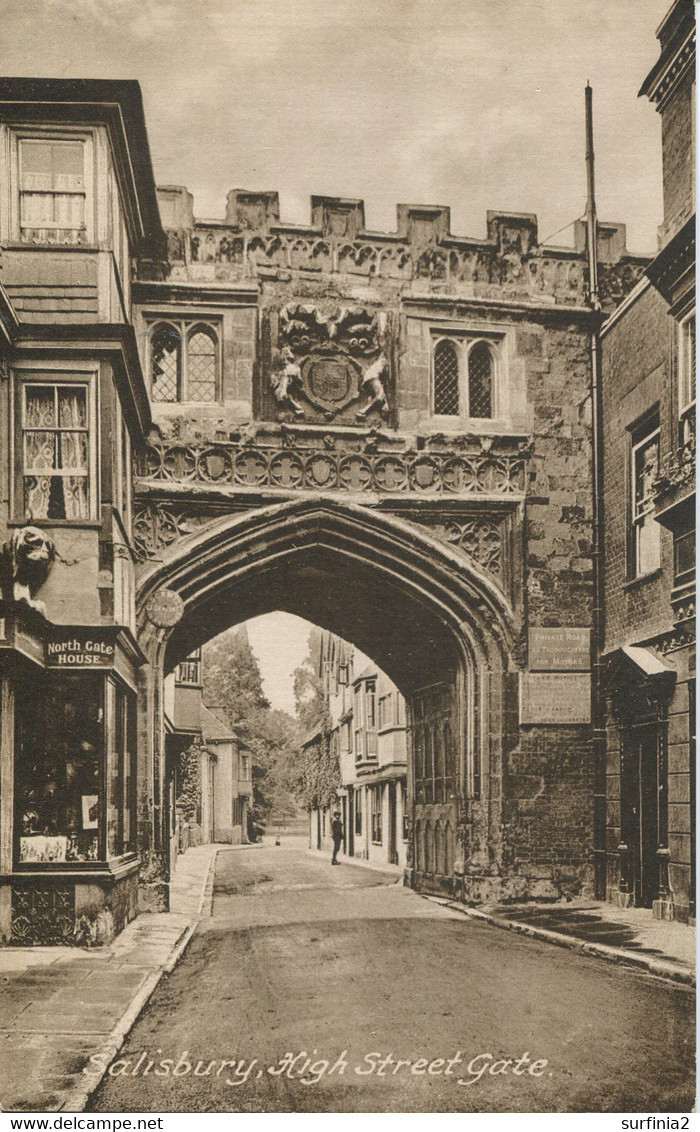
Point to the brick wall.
(636, 376)
(679, 160)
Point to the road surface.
(319, 989)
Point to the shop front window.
(74, 757)
(121, 770)
(57, 772)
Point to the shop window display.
(61, 770)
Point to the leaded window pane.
(201, 367)
(481, 382)
(165, 363)
(446, 380)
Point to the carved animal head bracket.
(30, 555)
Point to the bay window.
(54, 188)
(57, 451)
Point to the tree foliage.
(232, 680)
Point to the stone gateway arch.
(390, 436)
(438, 625)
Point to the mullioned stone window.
(465, 378)
(184, 361)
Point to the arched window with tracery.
(201, 365)
(446, 379)
(166, 362)
(480, 370)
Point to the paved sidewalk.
(60, 1006)
(630, 936)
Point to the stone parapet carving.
(252, 244)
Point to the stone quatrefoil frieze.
(228, 465)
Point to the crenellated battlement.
(423, 253)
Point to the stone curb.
(663, 969)
(79, 1095)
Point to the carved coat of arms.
(328, 362)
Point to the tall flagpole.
(598, 612)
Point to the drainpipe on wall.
(598, 619)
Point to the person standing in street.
(337, 835)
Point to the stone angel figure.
(286, 381)
(373, 387)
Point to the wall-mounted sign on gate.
(555, 697)
(567, 648)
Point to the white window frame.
(53, 377)
(186, 327)
(376, 803)
(464, 342)
(685, 362)
(686, 378)
(387, 714)
(52, 134)
(188, 673)
(641, 512)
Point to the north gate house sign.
(75, 649)
(330, 366)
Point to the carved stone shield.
(329, 379)
(331, 383)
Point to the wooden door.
(433, 750)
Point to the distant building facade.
(367, 740)
(648, 367)
(210, 771)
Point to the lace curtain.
(56, 452)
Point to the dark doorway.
(393, 854)
(350, 822)
(641, 811)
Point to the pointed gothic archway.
(437, 624)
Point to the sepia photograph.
(347, 559)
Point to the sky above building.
(280, 642)
(475, 104)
